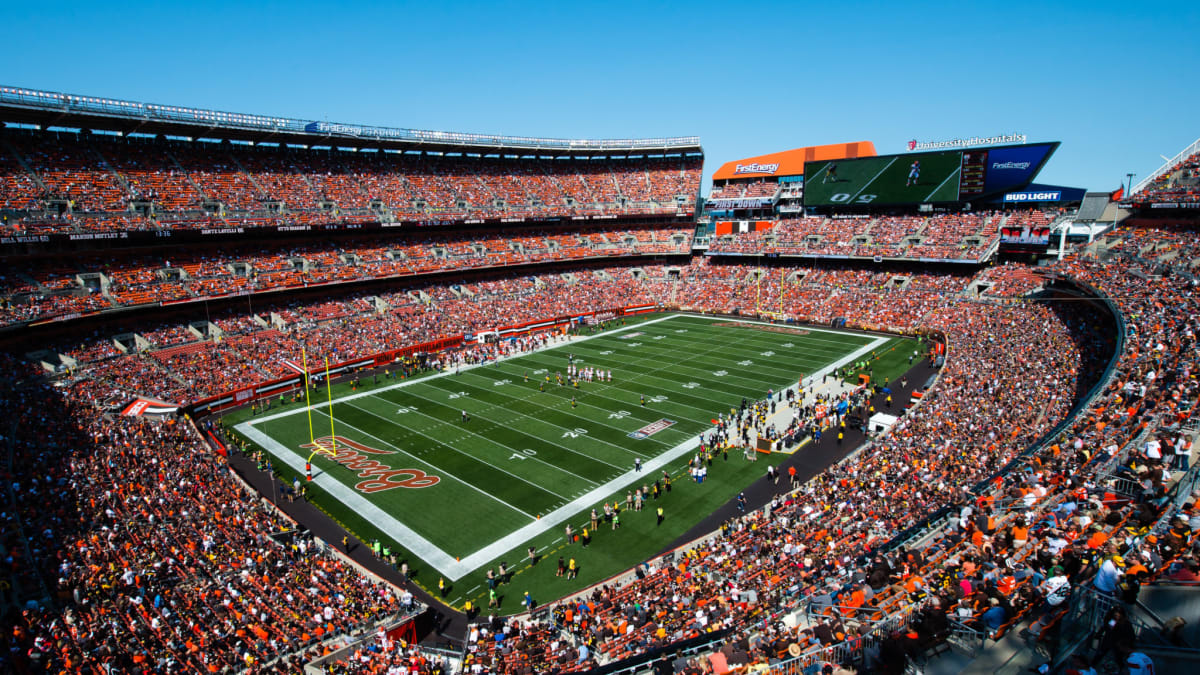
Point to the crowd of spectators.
(1180, 183)
(41, 289)
(962, 236)
(72, 182)
(183, 362)
(1011, 280)
(815, 538)
(745, 189)
(1024, 525)
(1009, 552)
(158, 558)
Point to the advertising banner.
(1046, 196)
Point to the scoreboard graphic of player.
(923, 178)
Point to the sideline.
(454, 568)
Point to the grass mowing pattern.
(526, 452)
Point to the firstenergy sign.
(754, 167)
(966, 142)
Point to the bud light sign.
(1020, 197)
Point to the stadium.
(289, 395)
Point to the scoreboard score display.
(923, 177)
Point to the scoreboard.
(974, 174)
(924, 177)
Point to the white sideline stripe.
(564, 512)
(343, 493)
(445, 373)
(939, 187)
(444, 562)
(435, 467)
(479, 459)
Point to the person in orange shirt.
(1098, 538)
(1020, 534)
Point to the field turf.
(527, 462)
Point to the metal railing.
(1180, 494)
(851, 651)
(970, 641)
(1167, 166)
(1089, 609)
(59, 102)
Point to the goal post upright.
(329, 392)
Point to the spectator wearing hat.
(995, 616)
(1109, 575)
(1055, 590)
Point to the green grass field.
(528, 461)
(883, 180)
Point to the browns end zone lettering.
(380, 477)
(756, 168)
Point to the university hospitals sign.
(966, 142)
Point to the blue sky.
(1116, 83)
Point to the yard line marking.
(813, 179)
(464, 368)
(868, 183)
(456, 569)
(420, 546)
(450, 447)
(598, 440)
(624, 386)
(793, 357)
(485, 438)
(619, 387)
(580, 402)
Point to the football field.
(462, 469)
(884, 180)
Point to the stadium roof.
(791, 162)
(45, 109)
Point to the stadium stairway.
(113, 174)
(186, 174)
(7, 148)
(1093, 207)
(1011, 655)
(253, 181)
(1160, 602)
(1016, 653)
